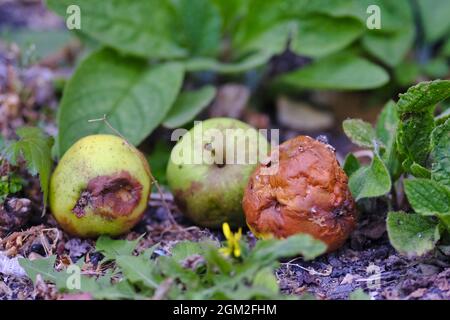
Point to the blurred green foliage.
(233, 36)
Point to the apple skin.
(100, 186)
(207, 193)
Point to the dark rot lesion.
(110, 196)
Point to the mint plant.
(409, 141)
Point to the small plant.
(34, 147)
(192, 270)
(409, 141)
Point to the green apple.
(209, 169)
(100, 186)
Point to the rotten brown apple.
(308, 193)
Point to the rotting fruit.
(209, 168)
(308, 193)
(100, 186)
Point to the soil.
(366, 261)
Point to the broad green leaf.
(413, 138)
(446, 48)
(200, 23)
(170, 268)
(387, 123)
(188, 105)
(351, 164)
(249, 62)
(44, 267)
(359, 294)
(395, 38)
(370, 181)
(35, 147)
(273, 249)
(412, 234)
(434, 15)
(386, 132)
(134, 97)
(111, 248)
(335, 8)
(145, 28)
(261, 28)
(406, 72)
(343, 72)
(390, 48)
(319, 35)
(427, 197)
(266, 279)
(423, 97)
(440, 153)
(436, 68)
(158, 159)
(419, 171)
(360, 132)
(185, 249)
(395, 15)
(137, 270)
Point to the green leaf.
(386, 132)
(266, 279)
(137, 270)
(351, 164)
(134, 97)
(249, 62)
(144, 28)
(43, 266)
(392, 42)
(412, 234)
(199, 22)
(343, 72)
(390, 48)
(440, 141)
(360, 132)
(370, 181)
(419, 172)
(434, 14)
(427, 197)
(188, 105)
(387, 123)
(111, 248)
(35, 147)
(261, 28)
(423, 97)
(407, 72)
(359, 294)
(185, 249)
(436, 68)
(319, 35)
(413, 138)
(158, 159)
(268, 251)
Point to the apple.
(209, 169)
(100, 186)
(308, 193)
